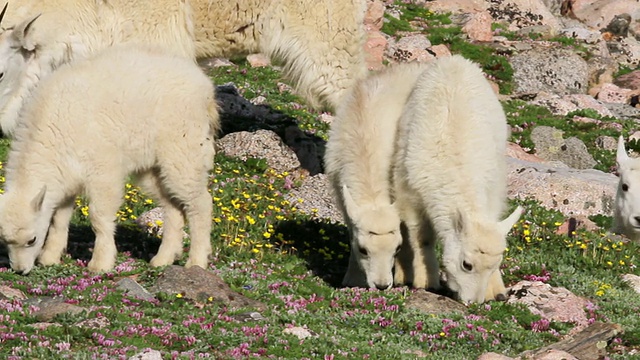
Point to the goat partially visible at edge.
(626, 216)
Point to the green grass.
(267, 250)
(623, 70)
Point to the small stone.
(49, 310)
(258, 100)
(147, 354)
(479, 26)
(551, 303)
(258, 60)
(7, 292)
(198, 284)
(248, 316)
(299, 332)
(610, 93)
(431, 303)
(132, 288)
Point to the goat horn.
(3, 11)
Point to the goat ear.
(23, 34)
(36, 203)
(621, 155)
(505, 225)
(350, 205)
(4, 10)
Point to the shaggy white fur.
(130, 110)
(319, 43)
(43, 35)
(450, 179)
(358, 162)
(626, 217)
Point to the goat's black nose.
(382, 287)
(637, 219)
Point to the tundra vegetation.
(266, 249)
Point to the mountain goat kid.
(319, 43)
(130, 110)
(626, 217)
(358, 162)
(450, 177)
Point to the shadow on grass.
(323, 245)
(128, 237)
(325, 248)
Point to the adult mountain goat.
(130, 110)
(358, 162)
(450, 178)
(319, 43)
(626, 217)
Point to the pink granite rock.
(374, 17)
(551, 303)
(479, 26)
(629, 81)
(611, 93)
(374, 50)
(258, 60)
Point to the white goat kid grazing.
(626, 219)
(319, 43)
(358, 162)
(450, 178)
(130, 110)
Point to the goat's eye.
(31, 242)
(363, 251)
(1, 76)
(625, 187)
(467, 266)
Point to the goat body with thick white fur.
(319, 43)
(130, 110)
(358, 162)
(626, 216)
(450, 179)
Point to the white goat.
(319, 43)
(358, 162)
(130, 110)
(450, 179)
(626, 218)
